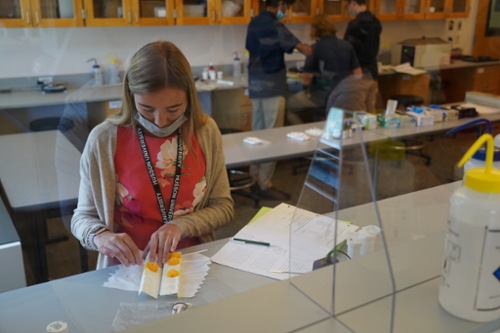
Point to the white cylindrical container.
(470, 283)
(496, 140)
(367, 243)
(97, 75)
(212, 74)
(354, 243)
(57, 327)
(112, 70)
(204, 74)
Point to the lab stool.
(46, 124)
(407, 100)
(413, 147)
(239, 180)
(309, 115)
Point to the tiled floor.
(63, 257)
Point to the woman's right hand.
(119, 246)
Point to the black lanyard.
(175, 189)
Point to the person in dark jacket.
(363, 32)
(267, 41)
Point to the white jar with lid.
(470, 282)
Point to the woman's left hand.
(162, 242)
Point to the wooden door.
(57, 13)
(485, 45)
(15, 14)
(107, 13)
(153, 12)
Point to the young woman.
(153, 176)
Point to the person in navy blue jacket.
(267, 41)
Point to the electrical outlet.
(46, 79)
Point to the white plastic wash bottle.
(470, 282)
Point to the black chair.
(407, 100)
(46, 124)
(240, 180)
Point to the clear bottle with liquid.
(112, 70)
(236, 65)
(212, 74)
(97, 77)
(470, 281)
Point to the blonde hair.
(322, 25)
(154, 67)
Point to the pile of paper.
(295, 238)
(182, 275)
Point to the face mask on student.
(280, 15)
(161, 132)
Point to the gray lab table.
(236, 301)
(280, 147)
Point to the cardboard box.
(388, 121)
(439, 115)
(422, 119)
(407, 121)
(369, 121)
(450, 115)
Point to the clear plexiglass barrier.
(367, 222)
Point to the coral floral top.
(136, 208)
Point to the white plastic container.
(470, 283)
(97, 77)
(112, 70)
(212, 74)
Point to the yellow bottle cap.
(112, 60)
(484, 179)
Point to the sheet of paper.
(306, 235)
(406, 68)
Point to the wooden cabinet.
(486, 79)
(399, 9)
(191, 12)
(456, 82)
(440, 9)
(336, 10)
(402, 84)
(107, 13)
(40, 13)
(301, 11)
(152, 12)
(459, 8)
(232, 13)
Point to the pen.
(248, 241)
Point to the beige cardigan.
(96, 198)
